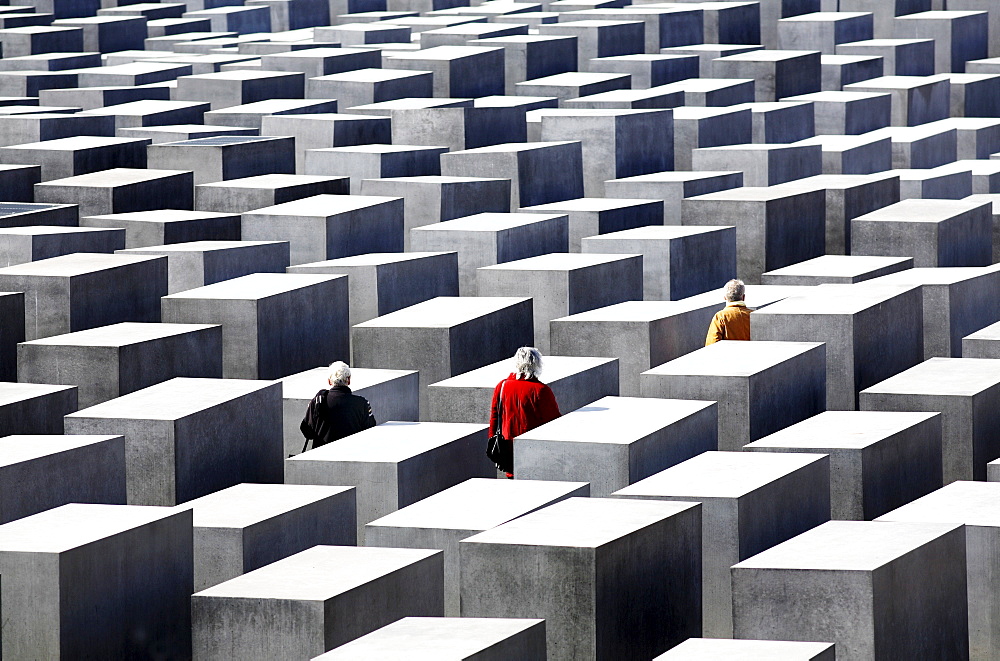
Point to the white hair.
(734, 290)
(528, 363)
(339, 374)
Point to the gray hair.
(339, 374)
(528, 363)
(734, 290)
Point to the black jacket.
(335, 413)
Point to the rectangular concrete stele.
(175, 447)
(616, 441)
(993, 200)
(75, 292)
(762, 165)
(133, 561)
(11, 332)
(972, 504)
(392, 395)
(750, 502)
(721, 649)
(444, 337)
(234, 88)
(933, 232)
(485, 239)
(253, 114)
(915, 99)
(965, 391)
(59, 470)
(853, 154)
(199, 263)
(226, 156)
(248, 526)
(326, 227)
(249, 193)
(956, 302)
(878, 460)
(575, 381)
(442, 520)
(121, 190)
(871, 333)
(163, 226)
(777, 73)
(19, 245)
(983, 343)
(673, 264)
(564, 283)
(920, 147)
(761, 387)
(395, 464)
(32, 408)
(597, 215)
(332, 594)
(273, 324)
(432, 638)
(672, 187)
(540, 172)
(876, 590)
(775, 227)
(179, 132)
(70, 157)
(836, 269)
(629, 562)
(110, 361)
(373, 161)
(848, 113)
(381, 283)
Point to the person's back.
(733, 321)
(336, 413)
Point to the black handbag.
(499, 449)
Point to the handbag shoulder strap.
(500, 407)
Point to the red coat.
(526, 404)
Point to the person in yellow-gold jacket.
(733, 321)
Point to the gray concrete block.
(590, 216)
(121, 190)
(613, 550)
(225, 157)
(672, 187)
(364, 86)
(325, 130)
(234, 88)
(900, 57)
(964, 391)
(19, 245)
(840, 70)
(442, 520)
(848, 113)
(375, 161)
(915, 99)
(750, 502)
(334, 593)
(175, 447)
(168, 226)
(853, 154)
(249, 193)
(134, 561)
(721, 649)
(844, 582)
(68, 157)
(696, 128)
(822, 31)
(273, 324)
(392, 394)
(878, 460)
(31, 408)
(575, 381)
(107, 362)
(760, 387)
(18, 182)
(459, 71)
(532, 56)
(777, 73)
(253, 114)
(983, 343)
(762, 164)
(836, 270)
(959, 36)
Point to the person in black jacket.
(335, 413)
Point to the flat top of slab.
(842, 143)
(113, 177)
(559, 261)
(641, 311)
(488, 222)
(944, 275)
(272, 181)
(77, 143)
(24, 447)
(752, 147)
(656, 233)
(218, 141)
(721, 474)
(430, 639)
(243, 74)
(478, 504)
(324, 206)
(199, 247)
(894, 82)
(117, 335)
(19, 392)
(43, 230)
(676, 176)
(510, 147)
(757, 296)
(443, 312)
(442, 53)
(733, 358)
(581, 522)
(372, 75)
(173, 399)
(245, 504)
(617, 420)
(370, 259)
(971, 503)
(391, 442)
(255, 286)
(849, 430)
(848, 546)
(838, 299)
(595, 204)
(556, 368)
(378, 149)
(164, 216)
(144, 107)
(943, 376)
(835, 96)
(73, 264)
(269, 106)
(755, 194)
(69, 526)
(305, 385)
(840, 265)
(724, 649)
(991, 332)
(922, 211)
(273, 120)
(318, 574)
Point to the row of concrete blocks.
(779, 497)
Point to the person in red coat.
(527, 402)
